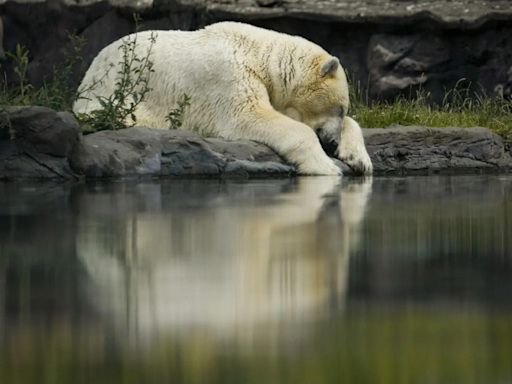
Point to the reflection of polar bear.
(243, 82)
(226, 265)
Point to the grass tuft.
(460, 107)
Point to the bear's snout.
(328, 141)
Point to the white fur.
(351, 149)
(243, 82)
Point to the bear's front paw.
(360, 162)
(321, 167)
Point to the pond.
(309, 280)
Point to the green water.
(312, 280)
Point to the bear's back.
(235, 30)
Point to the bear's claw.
(323, 167)
(360, 164)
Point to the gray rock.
(40, 144)
(389, 46)
(2, 52)
(35, 144)
(399, 61)
(409, 150)
(463, 13)
(142, 152)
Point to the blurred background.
(388, 46)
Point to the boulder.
(38, 143)
(411, 150)
(35, 144)
(143, 152)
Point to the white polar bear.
(243, 82)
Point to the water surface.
(311, 280)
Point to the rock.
(42, 28)
(508, 143)
(40, 144)
(2, 52)
(463, 13)
(409, 150)
(143, 152)
(388, 46)
(35, 144)
(398, 62)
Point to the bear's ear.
(330, 65)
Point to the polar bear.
(243, 82)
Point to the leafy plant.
(25, 93)
(175, 116)
(6, 125)
(131, 88)
(59, 93)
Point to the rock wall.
(389, 45)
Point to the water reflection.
(230, 261)
(438, 240)
(390, 280)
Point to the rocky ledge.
(40, 144)
(145, 152)
(459, 13)
(412, 150)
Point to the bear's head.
(321, 100)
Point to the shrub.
(131, 87)
(175, 117)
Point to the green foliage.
(6, 128)
(21, 95)
(175, 117)
(458, 109)
(25, 93)
(118, 110)
(131, 87)
(58, 94)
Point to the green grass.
(459, 108)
